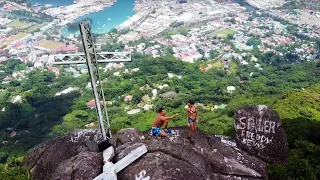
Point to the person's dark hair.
(191, 102)
(160, 110)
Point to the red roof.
(71, 47)
(148, 50)
(91, 103)
(19, 43)
(13, 133)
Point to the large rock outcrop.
(67, 157)
(173, 157)
(259, 131)
(210, 157)
(77, 167)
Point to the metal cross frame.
(92, 59)
(103, 57)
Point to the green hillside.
(300, 114)
(302, 103)
(41, 115)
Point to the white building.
(133, 111)
(230, 89)
(66, 91)
(17, 99)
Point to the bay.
(108, 18)
(102, 21)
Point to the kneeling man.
(161, 120)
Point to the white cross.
(110, 170)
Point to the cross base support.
(103, 145)
(110, 170)
(108, 154)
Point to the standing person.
(192, 118)
(161, 119)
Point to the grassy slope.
(303, 103)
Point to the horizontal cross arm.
(103, 57)
(130, 158)
(83, 62)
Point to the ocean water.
(103, 20)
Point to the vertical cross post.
(93, 70)
(92, 59)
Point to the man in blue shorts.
(161, 120)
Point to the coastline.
(68, 14)
(141, 9)
(106, 19)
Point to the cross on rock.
(92, 59)
(110, 170)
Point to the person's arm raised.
(168, 118)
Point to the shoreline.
(98, 30)
(68, 14)
(141, 9)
